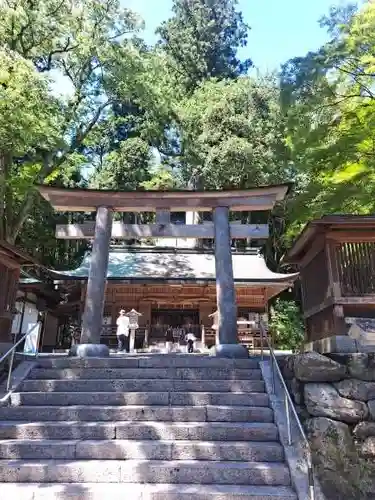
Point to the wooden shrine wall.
(145, 297)
(9, 275)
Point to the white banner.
(32, 339)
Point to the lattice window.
(356, 267)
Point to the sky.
(280, 29)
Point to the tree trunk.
(14, 230)
(4, 169)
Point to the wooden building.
(27, 295)
(336, 259)
(39, 299)
(176, 287)
(11, 261)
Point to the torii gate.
(104, 203)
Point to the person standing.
(169, 339)
(123, 331)
(190, 339)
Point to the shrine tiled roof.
(143, 265)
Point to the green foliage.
(232, 134)
(43, 128)
(27, 131)
(286, 325)
(202, 39)
(330, 100)
(111, 105)
(125, 168)
(162, 179)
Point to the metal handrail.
(12, 352)
(289, 408)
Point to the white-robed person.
(123, 331)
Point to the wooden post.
(132, 340)
(225, 291)
(146, 337)
(203, 336)
(95, 294)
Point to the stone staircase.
(160, 427)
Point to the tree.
(125, 168)
(286, 325)
(232, 134)
(162, 179)
(330, 100)
(87, 46)
(202, 40)
(27, 131)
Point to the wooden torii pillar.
(106, 202)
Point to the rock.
(302, 413)
(362, 366)
(296, 391)
(314, 367)
(288, 367)
(371, 407)
(335, 458)
(363, 430)
(324, 432)
(323, 400)
(367, 448)
(356, 389)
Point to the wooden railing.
(111, 330)
(158, 331)
(356, 267)
(248, 337)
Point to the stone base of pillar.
(229, 351)
(89, 351)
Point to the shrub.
(286, 325)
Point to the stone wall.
(335, 397)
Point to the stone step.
(116, 449)
(194, 431)
(143, 385)
(145, 471)
(139, 398)
(148, 361)
(199, 373)
(99, 491)
(138, 413)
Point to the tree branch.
(19, 221)
(355, 77)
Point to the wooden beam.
(352, 236)
(129, 231)
(236, 204)
(81, 200)
(327, 302)
(365, 300)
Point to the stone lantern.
(133, 316)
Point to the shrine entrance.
(105, 203)
(161, 319)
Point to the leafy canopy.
(85, 46)
(330, 100)
(232, 134)
(202, 39)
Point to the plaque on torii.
(162, 203)
(133, 316)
